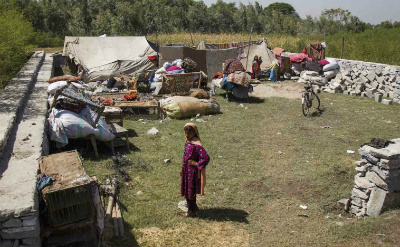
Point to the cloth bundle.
(191, 107)
(231, 65)
(189, 65)
(239, 78)
(64, 103)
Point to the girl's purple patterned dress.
(190, 181)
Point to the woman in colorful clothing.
(255, 68)
(193, 173)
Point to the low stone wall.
(19, 203)
(14, 95)
(377, 183)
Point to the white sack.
(51, 89)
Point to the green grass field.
(266, 161)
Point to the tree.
(283, 8)
(386, 24)
(16, 33)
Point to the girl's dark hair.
(189, 129)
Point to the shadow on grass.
(223, 214)
(318, 112)
(249, 100)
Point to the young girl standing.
(193, 173)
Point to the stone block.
(376, 180)
(378, 97)
(371, 76)
(359, 193)
(354, 209)
(30, 222)
(31, 241)
(376, 201)
(345, 92)
(387, 102)
(391, 177)
(389, 164)
(391, 152)
(20, 233)
(15, 222)
(363, 182)
(6, 243)
(369, 94)
(392, 95)
(374, 84)
(352, 93)
(378, 71)
(357, 201)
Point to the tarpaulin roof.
(105, 57)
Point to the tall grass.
(373, 45)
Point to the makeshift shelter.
(100, 58)
(208, 61)
(244, 50)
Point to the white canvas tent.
(260, 49)
(100, 58)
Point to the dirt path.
(291, 90)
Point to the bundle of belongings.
(72, 117)
(320, 72)
(179, 107)
(233, 78)
(178, 66)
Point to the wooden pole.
(119, 220)
(191, 37)
(341, 55)
(248, 51)
(115, 221)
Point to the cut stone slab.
(387, 102)
(376, 201)
(11, 223)
(378, 97)
(363, 182)
(389, 164)
(345, 203)
(375, 179)
(360, 194)
(31, 241)
(20, 233)
(391, 177)
(391, 152)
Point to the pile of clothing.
(232, 78)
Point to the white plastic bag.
(329, 67)
(331, 74)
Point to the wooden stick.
(341, 55)
(119, 220)
(109, 207)
(191, 39)
(114, 221)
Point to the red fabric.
(172, 68)
(304, 51)
(153, 58)
(323, 62)
(298, 58)
(218, 75)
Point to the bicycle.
(307, 99)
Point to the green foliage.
(283, 8)
(15, 35)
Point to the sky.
(369, 11)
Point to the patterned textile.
(63, 103)
(317, 52)
(179, 84)
(190, 181)
(189, 65)
(232, 65)
(239, 78)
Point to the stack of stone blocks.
(377, 183)
(367, 80)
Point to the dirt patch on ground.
(203, 234)
(291, 90)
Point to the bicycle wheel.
(304, 104)
(316, 96)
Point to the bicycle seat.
(307, 87)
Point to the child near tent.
(193, 173)
(255, 68)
